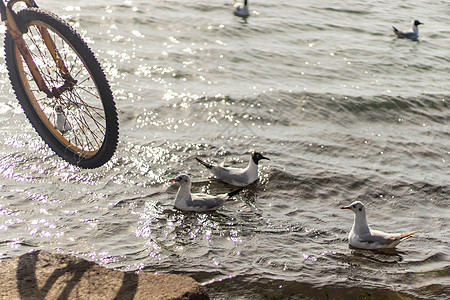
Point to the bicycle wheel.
(82, 99)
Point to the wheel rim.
(82, 105)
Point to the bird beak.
(345, 207)
(265, 158)
(174, 180)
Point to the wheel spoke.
(81, 103)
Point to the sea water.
(344, 110)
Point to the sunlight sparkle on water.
(14, 244)
(72, 8)
(144, 232)
(308, 257)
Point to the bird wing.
(406, 34)
(410, 35)
(67, 126)
(403, 235)
(383, 239)
(207, 201)
(376, 236)
(234, 176)
(207, 165)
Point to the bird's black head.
(417, 22)
(256, 156)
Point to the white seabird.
(412, 34)
(240, 9)
(362, 237)
(198, 202)
(237, 176)
(61, 121)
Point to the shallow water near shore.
(344, 110)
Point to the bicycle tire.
(89, 104)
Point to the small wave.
(290, 108)
(252, 286)
(435, 257)
(348, 11)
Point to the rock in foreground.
(40, 275)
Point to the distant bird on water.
(412, 34)
(61, 121)
(241, 9)
(362, 237)
(187, 201)
(237, 176)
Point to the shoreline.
(40, 274)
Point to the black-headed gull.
(241, 9)
(187, 201)
(237, 176)
(412, 34)
(362, 237)
(61, 121)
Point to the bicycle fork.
(17, 35)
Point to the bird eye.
(360, 209)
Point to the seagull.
(412, 34)
(362, 237)
(186, 201)
(236, 176)
(61, 121)
(241, 9)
